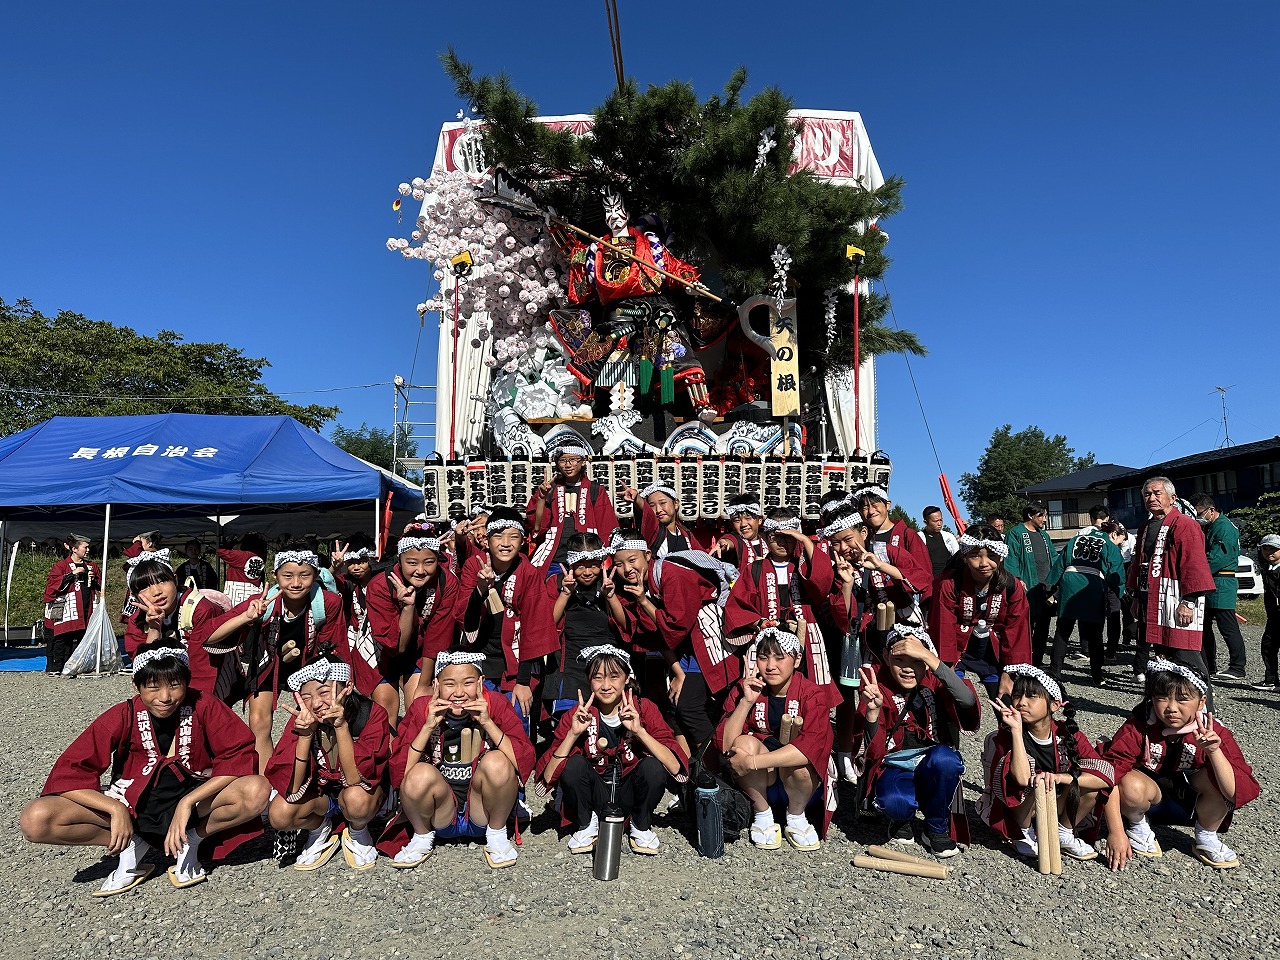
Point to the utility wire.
(914, 386)
(1177, 438)
(36, 392)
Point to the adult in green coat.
(1031, 557)
(1087, 571)
(1222, 548)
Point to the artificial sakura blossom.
(767, 143)
(781, 267)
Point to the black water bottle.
(708, 815)
(609, 843)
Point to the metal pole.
(3, 551)
(102, 588)
(857, 370)
(8, 589)
(377, 528)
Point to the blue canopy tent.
(174, 465)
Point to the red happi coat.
(528, 632)
(654, 533)
(376, 640)
(808, 701)
(210, 741)
(909, 554)
(1178, 566)
(63, 585)
(690, 620)
(244, 574)
(371, 740)
(333, 630)
(593, 514)
(746, 551)
(1001, 792)
(628, 752)
(757, 595)
(206, 666)
(1146, 744)
(954, 611)
(399, 831)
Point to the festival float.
(682, 287)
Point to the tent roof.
(162, 463)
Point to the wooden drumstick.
(1055, 845)
(1043, 829)
(932, 871)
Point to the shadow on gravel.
(1272, 703)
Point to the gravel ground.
(751, 903)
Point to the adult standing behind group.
(1222, 550)
(1168, 582)
(942, 543)
(1031, 557)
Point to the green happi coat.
(1021, 561)
(1087, 567)
(1222, 547)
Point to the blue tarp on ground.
(180, 459)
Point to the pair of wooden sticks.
(886, 617)
(1047, 842)
(789, 729)
(469, 749)
(888, 860)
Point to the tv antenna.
(1226, 434)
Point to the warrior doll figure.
(641, 331)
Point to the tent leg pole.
(102, 587)
(3, 551)
(377, 528)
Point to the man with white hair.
(1168, 581)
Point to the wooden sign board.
(784, 368)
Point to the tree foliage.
(72, 366)
(1257, 521)
(693, 164)
(897, 513)
(1013, 461)
(372, 445)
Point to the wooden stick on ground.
(930, 870)
(888, 853)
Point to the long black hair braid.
(1069, 730)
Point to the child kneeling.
(613, 726)
(776, 737)
(331, 762)
(461, 754)
(158, 746)
(1032, 746)
(1175, 764)
(912, 705)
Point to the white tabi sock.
(189, 865)
(130, 857)
(763, 819)
(797, 821)
(361, 836)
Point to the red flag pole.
(951, 504)
(857, 371)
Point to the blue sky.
(1091, 206)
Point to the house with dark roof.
(1234, 476)
(1070, 497)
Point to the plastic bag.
(98, 652)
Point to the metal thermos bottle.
(608, 853)
(709, 818)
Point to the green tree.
(372, 445)
(72, 366)
(1258, 521)
(1013, 461)
(694, 165)
(897, 513)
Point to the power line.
(36, 392)
(907, 360)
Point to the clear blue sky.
(1090, 196)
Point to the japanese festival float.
(680, 287)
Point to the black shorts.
(1178, 800)
(160, 802)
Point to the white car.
(1249, 584)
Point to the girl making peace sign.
(612, 725)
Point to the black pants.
(638, 792)
(696, 712)
(1090, 635)
(1114, 630)
(1041, 614)
(1188, 658)
(58, 650)
(1270, 650)
(1229, 627)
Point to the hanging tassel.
(668, 380)
(646, 375)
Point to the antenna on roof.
(1226, 434)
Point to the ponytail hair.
(1068, 732)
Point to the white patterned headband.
(480, 508)
(737, 509)
(1035, 673)
(787, 641)
(607, 650)
(575, 449)
(364, 553)
(997, 548)
(901, 630)
(305, 557)
(322, 671)
(792, 523)
(619, 542)
(653, 488)
(417, 543)
(841, 525)
(583, 556)
(161, 555)
(1161, 665)
(145, 657)
(494, 526)
(871, 490)
(451, 657)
